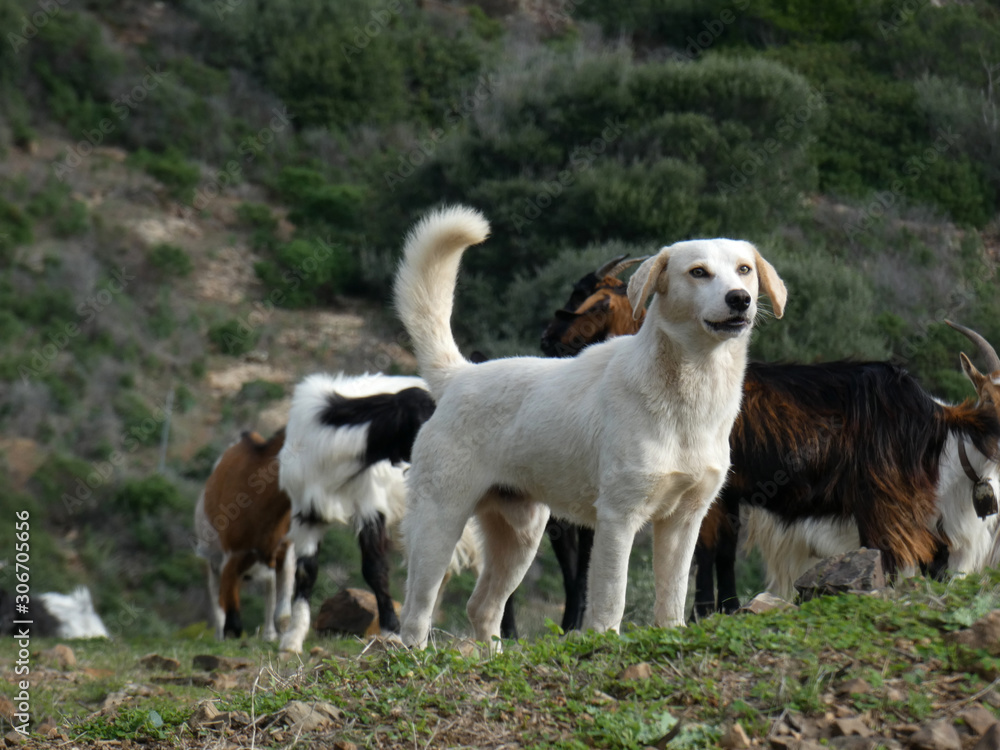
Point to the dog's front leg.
(674, 540)
(613, 539)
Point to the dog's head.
(712, 283)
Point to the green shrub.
(170, 259)
(307, 272)
(148, 496)
(15, 230)
(171, 168)
(233, 337)
(142, 425)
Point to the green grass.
(565, 692)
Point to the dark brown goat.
(832, 456)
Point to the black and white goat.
(829, 457)
(52, 615)
(346, 446)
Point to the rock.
(790, 743)
(938, 735)
(466, 647)
(856, 686)
(640, 671)
(384, 644)
(990, 740)
(735, 739)
(764, 602)
(159, 663)
(850, 727)
(978, 719)
(344, 745)
(863, 743)
(350, 612)
(860, 570)
(60, 655)
(212, 663)
(318, 652)
(983, 634)
(13, 738)
(895, 694)
(113, 700)
(6, 709)
(307, 717)
(205, 716)
(224, 681)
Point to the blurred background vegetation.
(858, 144)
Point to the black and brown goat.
(829, 457)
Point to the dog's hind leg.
(431, 531)
(511, 536)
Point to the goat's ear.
(566, 315)
(771, 284)
(646, 280)
(979, 381)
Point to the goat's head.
(597, 309)
(987, 386)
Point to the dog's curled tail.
(425, 287)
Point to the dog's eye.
(698, 273)
(744, 270)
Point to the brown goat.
(241, 521)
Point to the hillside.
(206, 200)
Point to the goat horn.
(627, 263)
(603, 270)
(988, 352)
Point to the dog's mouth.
(734, 325)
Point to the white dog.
(631, 431)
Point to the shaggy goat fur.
(631, 431)
(348, 438)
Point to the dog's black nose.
(738, 300)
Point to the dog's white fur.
(632, 430)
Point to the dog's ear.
(645, 281)
(771, 284)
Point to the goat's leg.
(268, 632)
(375, 569)
(218, 614)
(306, 570)
(704, 579)
(563, 536)
(235, 566)
(585, 545)
(725, 568)
(285, 571)
(510, 540)
(508, 623)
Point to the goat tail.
(425, 288)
